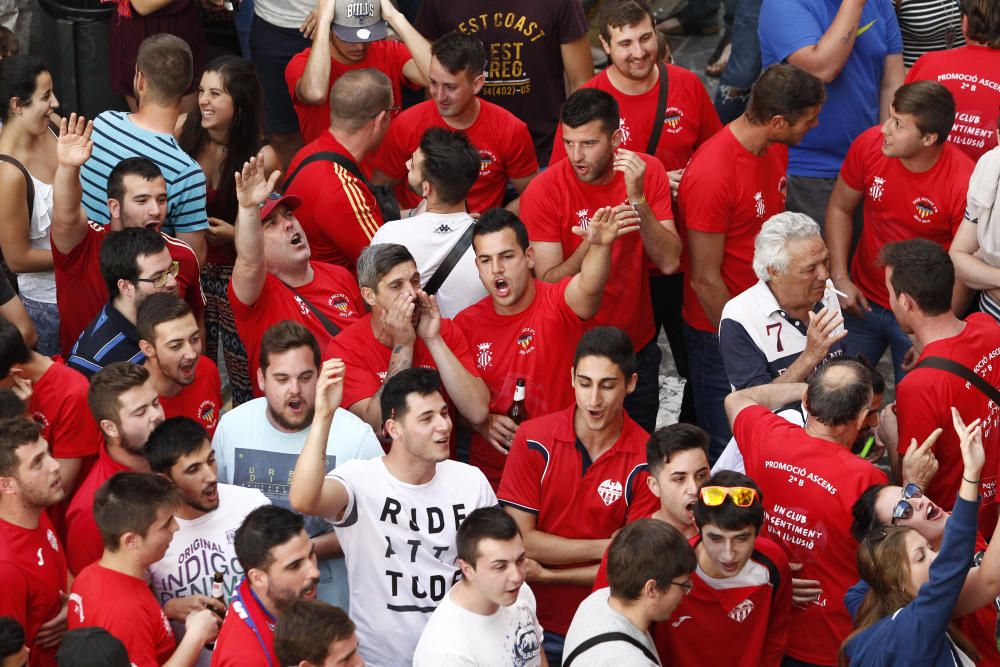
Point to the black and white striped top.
(926, 25)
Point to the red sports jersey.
(809, 487)
(387, 56)
(750, 610)
(503, 142)
(339, 213)
(81, 292)
(367, 359)
(557, 200)
(536, 344)
(124, 606)
(573, 497)
(33, 576)
(83, 539)
(333, 291)
(238, 645)
(972, 74)
(728, 190)
(900, 204)
(201, 400)
(923, 403)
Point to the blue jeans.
(709, 386)
(733, 93)
(45, 317)
(874, 332)
(643, 403)
(553, 645)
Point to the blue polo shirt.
(107, 339)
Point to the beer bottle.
(518, 412)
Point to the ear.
(649, 589)
(260, 379)
(114, 208)
(129, 541)
(8, 486)
(368, 294)
(257, 577)
(653, 485)
(530, 255)
(478, 82)
(616, 138)
(126, 287)
(929, 139)
(467, 569)
(777, 122)
(805, 401)
(393, 429)
(109, 428)
(630, 386)
(425, 189)
(605, 46)
(147, 349)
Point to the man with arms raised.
(397, 515)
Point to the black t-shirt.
(523, 37)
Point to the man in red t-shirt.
(503, 141)
(403, 330)
(913, 184)
(274, 279)
(32, 562)
(597, 174)
(733, 184)
(810, 480)
(137, 197)
(187, 382)
(279, 560)
(972, 74)
(576, 476)
(126, 407)
(918, 277)
(337, 49)
(135, 514)
(527, 329)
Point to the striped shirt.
(928, 25)
(116, 138)
(109, 338)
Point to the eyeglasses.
(685, 585)
(904, 509)
(392, 111)
(876, 535)
(160, 279)
(742, 496)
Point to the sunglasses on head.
(742, 496)
(904, 509)
(877, 534)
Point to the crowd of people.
(268, 340)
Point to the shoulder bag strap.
(605, 637)
(29, 184)
(455, 254)
(955, 368)
(389, 210)
(324, 156)
(661, 107)
(327, 323)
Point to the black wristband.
(969, 480)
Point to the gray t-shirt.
(595, 616)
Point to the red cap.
(276, 198)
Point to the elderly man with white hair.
(790, 322)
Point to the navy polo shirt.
(107, 339)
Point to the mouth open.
(211, 491)
(933, 512)
(501, 286)
(295, 405)
(296, 239)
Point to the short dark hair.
(451, 163)
(931, 104)
(306, 629)
(120, 253)
(13, 349)
(11, 637)
(172, 439)
(457, 51)
(15, 433)
(375, 261)
(128, 503)
(837, 400)
(142, 167)
(667, 441)
(11, 404)
(590, 104)
(863, 512)
(485, 523)
(611, 343)
(156, 309)
(166, 63)
(922, 270)
(284, 336)
(109, 383)
(643, 550)
(784, 90)
(983, 20)
(620, 13)
(878, 382)
(499, 219)
(19, 78)
(263, 529)
(420, 381)
(728, 515)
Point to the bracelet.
(638, 202)
(969, 480)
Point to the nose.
(496, 265)
(595, 395)
(576, 153)
(53, 102)
(728, 552)
(171, 282)
(885, 128)
(312, 570)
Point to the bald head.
(838, 392)
(357, 98)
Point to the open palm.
(75, 146)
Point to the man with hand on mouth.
(187, 382)
(209, 512)
(279, 562)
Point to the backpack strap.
(455, 254)
(29, 184)
(387, 207)
(772, 570)
(955, 368)
(661, 107)
(604, 638)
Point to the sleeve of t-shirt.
(187, 209)
(294, 70)
(344, 474)
(192, 277)
(14, 594)
(960, 191)
(357, 216)
(399, 55)
(521, 159)
(704, 199)
(74, 432)
(83, 541)
(785, 26)
(601, 580)
(751, 426)
(521, 483)
(644, 503)
(893, 38)
(538, 212)
(359, 382)
(571, 22)
(459, 346)
(219, 445)
(916, 409)
(852, 172)
(657, 189)
(745, 363)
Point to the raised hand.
(971, 443)
(634, 169)
(75, 145)
(252, 188)
(820, 335)
(601, 230)
(398, 320)
(919, 463)
(330, 387)
(429, 325)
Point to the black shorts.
(271, 48)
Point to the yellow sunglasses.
(743, 496)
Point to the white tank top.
(41, 285)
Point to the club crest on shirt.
(484, 355)
(230, 536)
(53, 542)
(925, 209)
(41, 419)
(526, 341)
(672, 117)
(208, 412)
(486, 161)
(341, 303)
(741, 611)
(583, 218)
(877, 188)
(610, 490)
(758, 203)
(381, 375)
(303, 308)
(626, 132)
(78, 601)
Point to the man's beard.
(286, 424)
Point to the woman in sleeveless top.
(221, 134)
(28, 154)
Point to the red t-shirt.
(536, 344)
(33, 576)
(503, 142)
(237, 644)
(333, 291)
(573, 497)
(728, 190)
(124, 606)
(339, 213)
(557, 200)
(201, 400)
(387, 56)
(972, 74)
(901, 205)
(81, 292)
(924, 399)
(83, 538)
(809, 486)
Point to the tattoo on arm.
(401, 359)
(846, 39)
